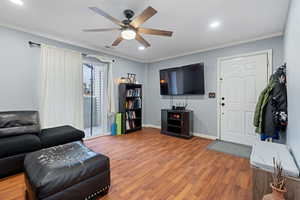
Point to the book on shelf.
(130, 125)
(130, 115)
(133, 92)
(133, 104)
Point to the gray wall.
(19, 71)
(292, 52)
(19, 66)
(205, 109)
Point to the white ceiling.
(242, 20)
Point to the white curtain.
(111, 94)
(61, 100)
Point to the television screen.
(186, 80)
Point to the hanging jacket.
(260, 106)
(275, 113)
(271, 109)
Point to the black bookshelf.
(130, 105)
(177, 123)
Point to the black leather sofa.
(20, 133)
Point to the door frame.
(269, 53)
(104, 114)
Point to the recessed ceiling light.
(215, 24)
(141, 48)
(17, 2)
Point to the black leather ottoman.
(66, 172)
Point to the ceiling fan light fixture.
(130, 29)
(128, 34)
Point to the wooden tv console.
(177, 123)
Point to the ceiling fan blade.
(100, 29)
(142, 40)
(107, 16)
(146, 14)
(117, 41)
(155, 32)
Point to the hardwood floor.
(147, 166)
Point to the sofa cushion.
(19, 122)
(10, 146)
(55, 169)
(60, 135)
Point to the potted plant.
(278, 184)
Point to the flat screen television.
(185, 80)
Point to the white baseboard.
(151, 126)
(211, 137)
(195, 134)
(97, 136)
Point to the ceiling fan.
(130, 29)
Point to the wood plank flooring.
(149, 166)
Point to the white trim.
(100, 58)
(110, 53)
(97, 136)
(218, 47)
(201, 135)
(72, 42)
(269, 53)
(151, 126)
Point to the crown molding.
(218, 47)
(120, 55)
(71, 42)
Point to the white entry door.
(241, 81)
